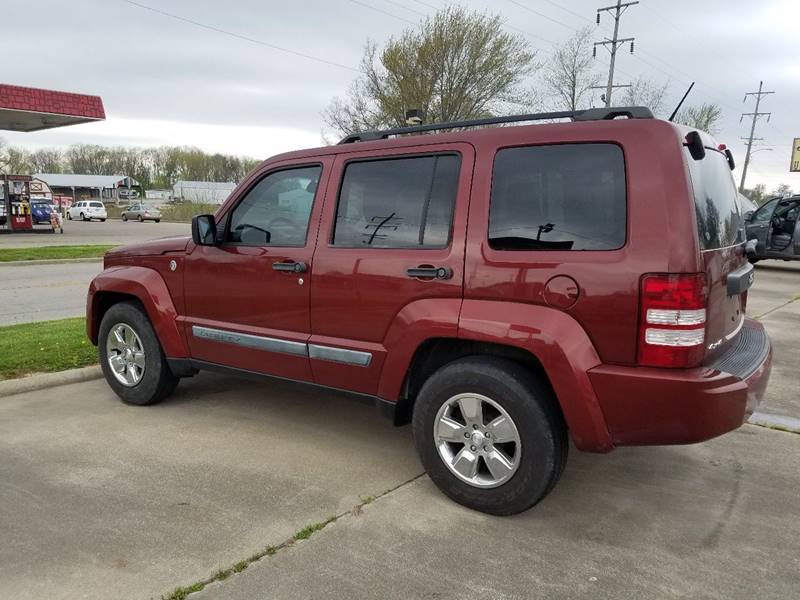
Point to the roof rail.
(589, 114)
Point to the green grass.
(184, 211)
(45, 346)
(53, 252)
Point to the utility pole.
(755, 114)
(617, 10)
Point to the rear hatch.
(720, 229)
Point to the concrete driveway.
(102, 500)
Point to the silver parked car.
(141, 212)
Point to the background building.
(87, 187)
(208, 192)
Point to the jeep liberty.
(504, 289)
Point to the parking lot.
(113, 231)
(99, 499)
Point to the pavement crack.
(772, 310)
(182, 592)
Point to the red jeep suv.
(502, 288)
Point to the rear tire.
(528, 468)
(138, 381)
(124, 217)
(157, 220)
(141, 219)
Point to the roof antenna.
(677, 108)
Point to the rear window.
(562, 197)
(719, 221)
(96, 204)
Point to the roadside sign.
(795, 164)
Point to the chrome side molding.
(341, 355)
(270, 344)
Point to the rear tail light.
(672, 322)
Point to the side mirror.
(748, 215)
(750, 249)
(204, 230)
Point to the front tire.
(131, 356)
(141, 219)
(69, 216)
(124, 217)
(490, 434)
(83, 217)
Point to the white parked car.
(86, 210)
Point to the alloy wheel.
(477, 440)
(125, 354)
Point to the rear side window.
(561, 197)
(397, 203)
(719, 223)
(95, 205)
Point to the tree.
(47, 160)
(644, 92)
(455, 65)
(757, 193)
(783, 190)
(704, 117)
(569, 72)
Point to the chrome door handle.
(293, 267)
(425, 272)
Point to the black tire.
(141, 219)
(102, 220)
(753, 260)
(124, 217)
(157, 220)
(83, 217)
(534, 411)
(157, 381)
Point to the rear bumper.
(645, 406)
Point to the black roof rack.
(589, 114)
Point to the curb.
(49, 261)
(41, 381)
(772, 421)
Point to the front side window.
(275, 212)
(763, 214)
(561, 197)
(397, 202)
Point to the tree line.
(459, 64)
(153, 168)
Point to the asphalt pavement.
(115, 232)
(45, 291)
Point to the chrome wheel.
(125, 354)
(477, 440)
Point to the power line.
(755, 114)
(239, 35)
(544, 16)
(380, 10)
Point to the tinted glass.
(565, 197)
(763, 214)
(719, 223)
(276, 211)
(95, 204)
(397, 203)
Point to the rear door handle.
(426, 272)
(294, 267)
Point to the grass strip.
(181, 593)
(45, 346)
(53, 252)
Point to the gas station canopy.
(32, 109)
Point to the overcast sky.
(166, 81)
